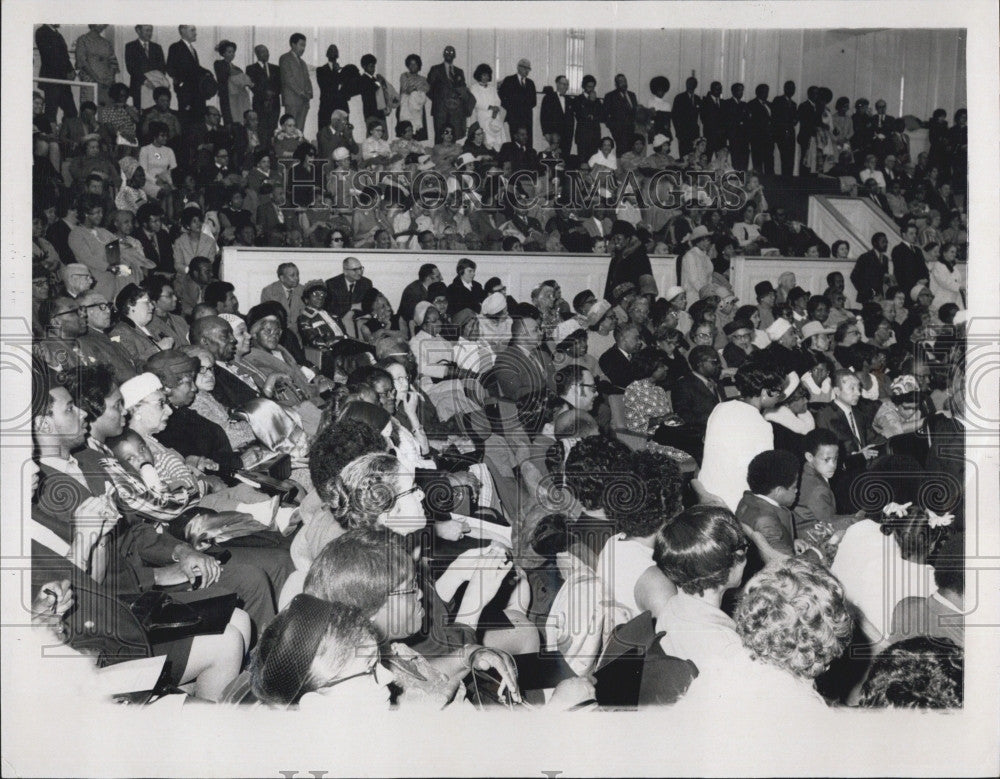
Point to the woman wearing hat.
(323, 331)
(131, 194)
(694, 267)
(434, 355)
(900, 413)
(601, 321)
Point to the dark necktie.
(350, 291)
(854, 427)
(194, 54)
(145, 49)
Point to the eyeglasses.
(340, 239)
(404, 493)
(389, 393)
(98, 306)
(206, 369)
(587, 386)
(69, 311)
(409, 591)
(356, 268)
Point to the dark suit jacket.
(413, 293)
(759, 120)
(784, 116)
(808, 122)
(277, 292)
(685, 115)
(775, 523)
(437, 78)
(518, 101)
(617, 367)
(191, 434)
(338, 300)
(712, 121)
(554, 118)
(736, 120)
(908, 266)
(518, 375)
(231, 391)
(619, 113)
(833, 419)
(333, 93)
(368, 88)
(53, 52)
(137, 63)
(185, 71)
(159, 249)
(460, 296)
(266, 86)
(694, 401)
(267, 219)
(520, 158)
(868, 275)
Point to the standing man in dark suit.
(761, 134)
(880, 130)
(619, 114)
(55, 63)
(908, 264)
(808, 116)
(557, 115)
(333, 93)
(185, 69)
(712, 124)
(296, 88)
(784, 117)
(871, 270)
(142, 56)
(266, 91)
(345, 291)
(518, 98)
(447, 106)
(736, 120)
(687, 106)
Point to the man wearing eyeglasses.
(345, 291)
(95, 342)
(64, 322)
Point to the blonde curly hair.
(793, 615)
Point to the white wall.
(854, 63)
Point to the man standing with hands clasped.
(518, 98)
(296, 88)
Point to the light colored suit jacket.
(276, 291)
(295, 83)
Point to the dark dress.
(588, 125)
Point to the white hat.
(565, 329)
(792, 384)
(465, 159)
(809, 329)
(659, 139)
(778, 328)
(673, 292)
(138, 388)
(494, 304)
(597, 312)
(341, 153)
(697, 234)
(419, 312)
(917, 289)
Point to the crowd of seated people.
(469, 499)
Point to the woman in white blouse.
(946, 281)
(488, 112)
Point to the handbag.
(165, 619)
